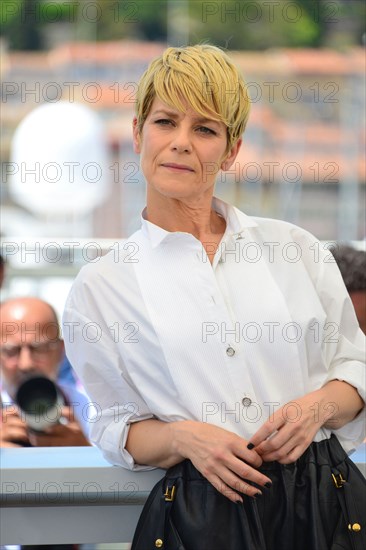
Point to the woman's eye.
(163, 121)
(206, 130)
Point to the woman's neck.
(196, 217)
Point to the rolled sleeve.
(94, 356)
(345, 353)
(345, 368)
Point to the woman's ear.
(231, 155)
(136, 136)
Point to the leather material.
(303, 510)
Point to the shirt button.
(246, 401)
(230, 351)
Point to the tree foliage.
(240, 24)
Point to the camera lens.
(40, 401)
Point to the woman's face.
(181, 153)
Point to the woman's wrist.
(339, 403)
(181, 437)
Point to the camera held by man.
(37, 409)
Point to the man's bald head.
(30, 312)
(30, 342)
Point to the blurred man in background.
(31, 346)
(352, 265)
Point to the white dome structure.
(60, 161)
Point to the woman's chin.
(178, 191)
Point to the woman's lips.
(177, 167)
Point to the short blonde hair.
(206, 78)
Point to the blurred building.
(302, 158)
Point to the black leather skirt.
(316, 503)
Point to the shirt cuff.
(352, 372)
(353, 433)
(112, 443)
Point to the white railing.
(72, 495)
(69, 495)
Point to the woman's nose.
(181, 141)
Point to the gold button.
(354, 527)
(158, 543)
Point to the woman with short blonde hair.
(223, 370)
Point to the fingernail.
(250, 446)
(268, 484)
(257, 495)
(238, 502)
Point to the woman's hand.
(287, 434)
(289, 431)
(222, 457)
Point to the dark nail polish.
(250, 446)
(257, 495)
(268, 484)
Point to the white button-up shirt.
(154, 330)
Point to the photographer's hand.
(68, 434)
(13, 431)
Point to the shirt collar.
(236, 223)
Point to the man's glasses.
(38, 350)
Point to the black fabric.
(303, 510)
(50, 547)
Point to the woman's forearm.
(341, 402)
(152, 442)
(163, 444)
(221, 456)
